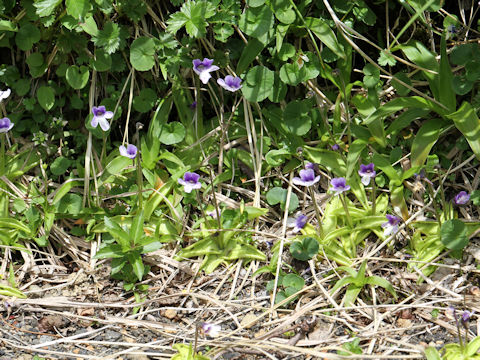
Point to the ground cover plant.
(239, 180)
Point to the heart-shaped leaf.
(77, 77)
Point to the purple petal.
(307, 174)
(104, 124)
(461, 198)
(367, 170)
(191, 177)
(5, 125)
(339, 185)
(130, 151)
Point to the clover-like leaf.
(304, 249)
(453, 234)
(46, 97)
(172, 133)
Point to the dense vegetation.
(320, 146)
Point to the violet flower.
(367, 173)
(190, 181)
(211, 330)
(391, 226)
(298, 223)
(130, 151)
(5, 94)
(193, 105)
(5, 125)
(230, 83)
(307, 178)
(213, 213)
(100, 115)
(335, 147)
(466, 315)
(461, 198)
(339, 185)
(204, 68)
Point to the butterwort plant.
(368, 173)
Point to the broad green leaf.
(432, 354)
(277, 157)
(332, 160)
(293, 281)
(418, 53)
(26, 36)
(467, 121)
(172, 133)
(77, 8)
(46, 7)
(304, 249)
(122, 237)
(249, 53)
(6, 25)
(383, 164)
(325, 34)
(60, 165)
(473, 346)
(296, 118)
(137, 264)
(453, 234)
(90, 26)
(447, 95)
(10, 223)
(258, 84)
(101, 60)
(424, 140)
(142, 53)
(378, 281)
(353, 155)
(244, 251)
(136, 230)
(77, 77)
(256, 22)
(405, 119)
(461, 85)
(46, 97)
(110, 251)
(114, 168)
(284, 11)
(278, 195)
(402, 90)
(205, 246)
(372, 75)
(145, 101)
(292, 74)
(464, 53)
(9, 291)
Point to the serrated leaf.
(46, 7)
(26, 36)
(108, 38)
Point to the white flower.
(5, 94)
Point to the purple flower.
(230, 83)
(367, 173)
(339, 185)
(297, 223)
(190, 181)
(100, 115)
(204, 68)
(211, 330)
(193, 105)
(335, 147)
(461, 198)
(391, 226)
(5, 125)
(5, 94)
(307, 178)
(466, 315)
(130, 151)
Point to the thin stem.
(374, 199)
(317, 213)
(347, 213)
(217, 211)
